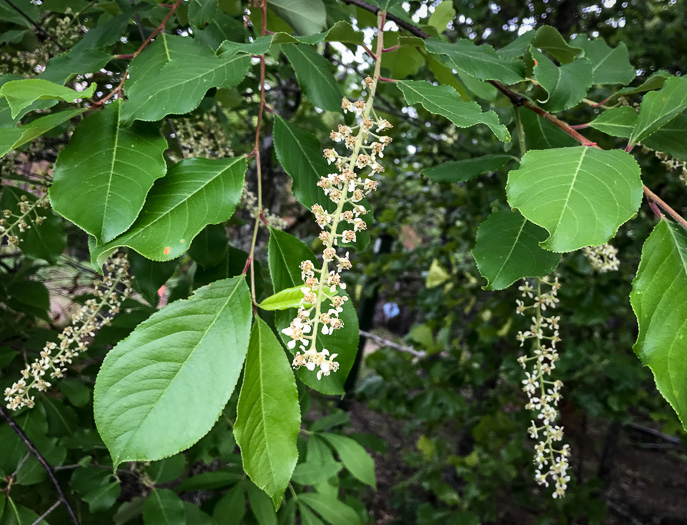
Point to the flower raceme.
(543, 393)
(346, 187)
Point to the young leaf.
(162, 506)
(609, 65)
(285, 299)
(481, 62)
(445, 101)
(354, 457)
(566, 85)
(305, 16)
(196, 192)
(660, 107)
(102, 177)
(21, 94)
(173, 74)
(617, 122)
(332, 511)
(507, 249)
(161, 389)
(467, 169)
(314, 76)
(268, 416)
(657, 299)
(565, 188)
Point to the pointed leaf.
(314, 75)
(354, 457)
(305, 16)
(261, 505)
(102, 177)
(670, 138)
(481, 62)
(580, 195)
(518, 47)
(332, 511)
(507, 249)
(660, 107)
(12, 138)
(173, 74)
(232, 507)
(618, 122)
(163, 507)
(566, 85)
(657, 299)
(550, 40)
(161, 389)
(201, 12)
(80, 61)
(21, 94)
(196, 192)
(268, 416)
(285, 299)
(610, 65)
(467, 169)
(655, 81)
(445, 101)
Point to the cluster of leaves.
(188, 383)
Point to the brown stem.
(32, 448)
(398, 21)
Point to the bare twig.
(45, 514)
(386, 342)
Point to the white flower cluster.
(109, 292)
(543, 393)
(602, 258)
(13, 223)
(249, 201)
(345, 188)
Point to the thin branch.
(45, 514)
(38, 27)
(32, 448)
(398, 21)
(386, 342)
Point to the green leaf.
(261, 505)
(232, 507)
(670, 138)
(547, 38)
(445, 101)
(46, 241)
(97, 487)
(149, 275)
(541, 134)
(610, 65)
(657, 299)
(194, 193)
(305, 16)
(314, 75)
(659, 107)
(332, 511)
(210, 246)
(201, 12)
(518, 47)
(442, 15)
(268, 416)
(655, 81)
(617, 122)
(63, 67)
(467, 169)
(308, 517)
(19, 515)
(285, 254)
(566, 85)
(163, 507)
(354, 457)
(481, 62)
(21, 94)
(313, 472)
(507, 249)
(437, 275)
(285, 299)
(102, 177)
(580, 195)
(209, 481)
(167, 469)
(161, 389)
(445, 76)
(12, 138)
(173, 74)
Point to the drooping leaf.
(161, 389)
(285, 254)
(610, 65)
(194, 193)
(305, 16)
(618, 122)
(670, 138)
(268, 416)
(657, 299)
(162, 506)
(547, 38)
(580, 195)
(284, 299)
(481, 62)
(507, 249)
(660, 107)
(314, 76)
(445, 101)
(173, 74)
(21, 94)
(102, 177)
(332, 511)
(12, 138)
(354, 457)
(465, 170)
(566, 85)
